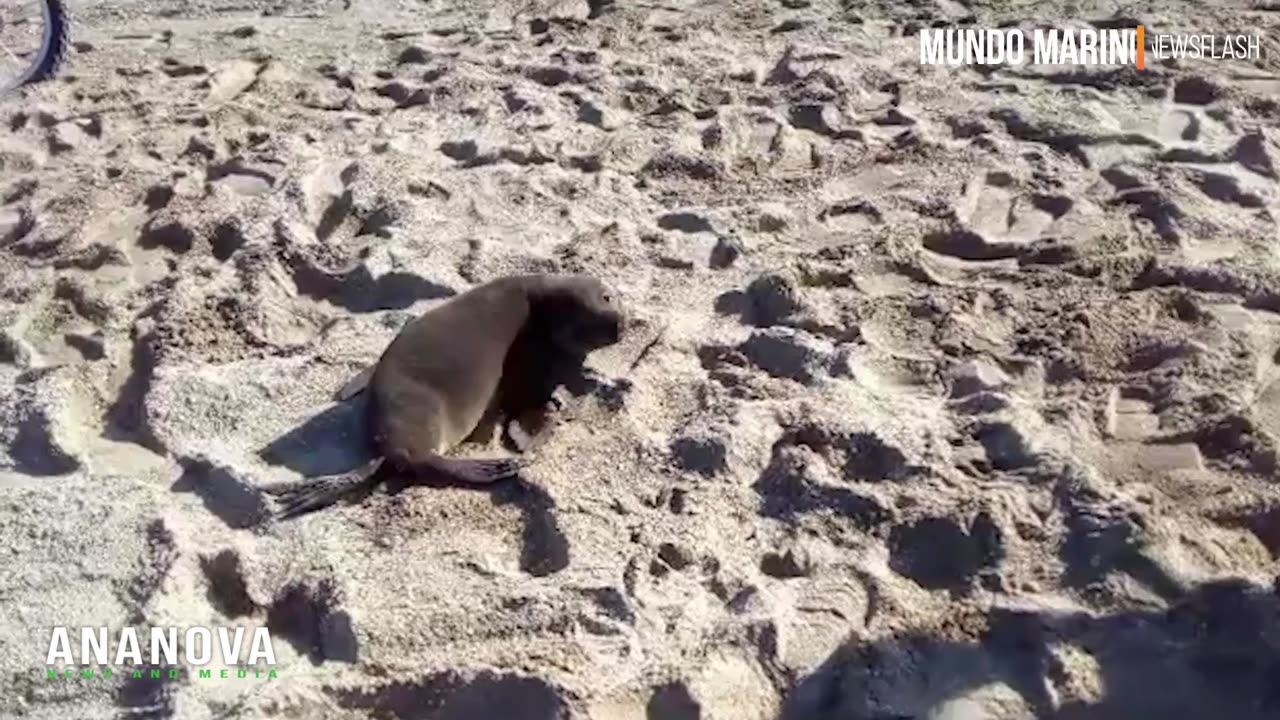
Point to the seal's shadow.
(331, 442)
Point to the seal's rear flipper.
(318, 493)
(355, 385)
(473, 471)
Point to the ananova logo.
(95, 649)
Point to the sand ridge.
(951, 393)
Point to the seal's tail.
(321, 492)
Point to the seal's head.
(579, 311)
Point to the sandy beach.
(947, 393)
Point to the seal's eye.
(607, 298)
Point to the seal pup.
(494, 349)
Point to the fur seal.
(497, 348)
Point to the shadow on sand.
(1213, 653)
(330, 442)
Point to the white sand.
(962, 378)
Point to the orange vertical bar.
(1142, 49)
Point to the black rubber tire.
(53, 47)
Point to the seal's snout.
(606, 329)
(614, 325)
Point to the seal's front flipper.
(472, 471)
(527, 432)
(520, 437)
(355, 385)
